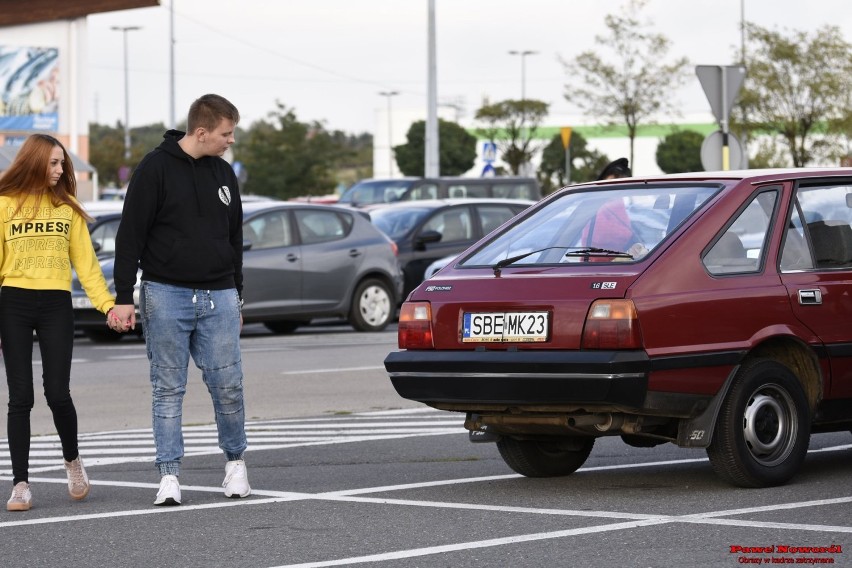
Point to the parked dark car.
(425, 231)
(707, 310)
(376, 191)
(300, 262)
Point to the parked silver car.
(300, 262)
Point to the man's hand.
(126, 315)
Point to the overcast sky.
(329, 59)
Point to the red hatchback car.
(707, 310)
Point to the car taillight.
(612, 324)
(394, 247)
(415, 326)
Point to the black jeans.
(49, 314)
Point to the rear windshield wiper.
(513, 259)
(580, 251)
(594, 251)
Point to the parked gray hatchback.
(301, 262)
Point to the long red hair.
(29, 178)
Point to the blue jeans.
(179, 322)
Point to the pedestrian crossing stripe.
(137, 445)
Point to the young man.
(182, 224)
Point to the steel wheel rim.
(769, 425)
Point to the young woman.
(44, 235)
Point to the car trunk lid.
(541, 308)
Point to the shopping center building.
(43, 76)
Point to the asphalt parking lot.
(344, 472)
(406, 488)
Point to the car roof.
(252, 207)
(437, 203)
(100, 207)
(754, 176)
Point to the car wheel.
(103, 335)
(282, 326)
(763, 429)
(372, 306)
(534, 458)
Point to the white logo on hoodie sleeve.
(225, 195)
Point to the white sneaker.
(21, 499)
(78, 481)
(169, 493)
(236, 480)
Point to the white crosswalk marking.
(138, 445)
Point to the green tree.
(798, 89)
(512, 125)
(457, 150)
(355, 160)
(286, 158)
(106, 149)
(637, 86)
(585, 163)
(680, 152)
(106, 152)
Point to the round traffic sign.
(711, 152)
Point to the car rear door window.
(453, 224)
(317, 226)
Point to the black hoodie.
(181, 223)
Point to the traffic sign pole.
(721, 85)
(566, 143)
(726, 149)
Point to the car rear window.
(396, 222)
(592, 224)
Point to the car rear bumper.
(617, 378)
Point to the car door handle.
(810, 297)
(355, 252)
(292, 257)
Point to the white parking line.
(413, 553)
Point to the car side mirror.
(426, 237)
(246, 245)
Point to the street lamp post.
(523, 55)
(389, 94)
(124, 30)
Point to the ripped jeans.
(179, 322)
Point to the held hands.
(121, 318)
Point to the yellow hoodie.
(38, 251)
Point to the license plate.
(510, 327)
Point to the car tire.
(103, 335)
(763, 429)
(535, 458)
(282, 326)
(372, 306)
